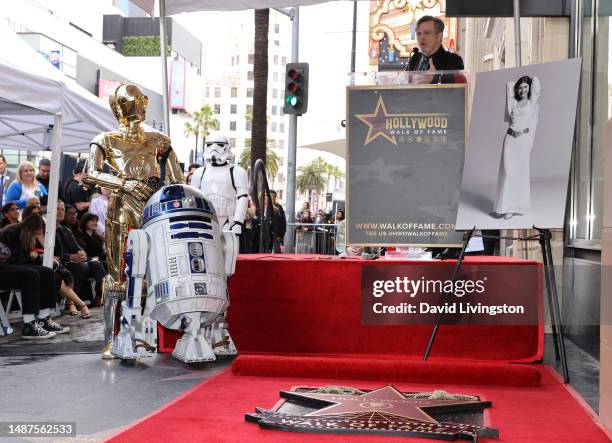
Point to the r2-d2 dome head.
(217, 149)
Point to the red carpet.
(386, 371)
(214, 412)
(300, 304)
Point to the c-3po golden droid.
(134, 163)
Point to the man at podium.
(431, 55)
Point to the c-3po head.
(129, 104)
(217, 149)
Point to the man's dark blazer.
(442, 59)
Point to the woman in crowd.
(91, 242)
(25, 186)
(300, 215)
(10, 214)
(37, 286)
(26, 241)
(30, 210)
(71, 220)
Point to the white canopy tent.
(42, 109)
(179, 6)
(337, 147)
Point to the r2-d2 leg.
(138, 332)
(218, 333)
(193, 346)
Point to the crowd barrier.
(312, 238)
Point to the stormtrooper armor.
(226, 186)
(186, 259)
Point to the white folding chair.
(6, 315)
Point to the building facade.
(228, 88)
(86, 43)
(583, 250)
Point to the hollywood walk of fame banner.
(406, 146)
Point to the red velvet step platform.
(309, 304)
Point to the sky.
(325, 43)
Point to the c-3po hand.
(137, 190)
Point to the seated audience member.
(71, 220)
(74, 258)
(99, 207)
(91, 242)
(30, 210)
(63, 277)
(25, 241)
(35, 201)
(10, 214)
(37, 288)
(25, 186)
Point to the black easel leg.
(466, 239)
(557, 312)
(551, 308)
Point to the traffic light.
(296, 88)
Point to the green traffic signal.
(293, 100)
(296, 88)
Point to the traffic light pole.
(292, 143)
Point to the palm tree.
(260, 86)
(311, 178)
(202, 122)
(272, 159)
(332, 171)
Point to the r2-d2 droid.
(186, 260)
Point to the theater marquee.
(406, 146)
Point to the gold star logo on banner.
(377, 123)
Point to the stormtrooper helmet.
(217, 149)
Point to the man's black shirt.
(442, 59)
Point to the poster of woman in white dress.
(514, 185)
(517, 161)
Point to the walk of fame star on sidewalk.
(386, 400)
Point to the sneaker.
(52, 326)
(33, 330)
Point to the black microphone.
(415, 53)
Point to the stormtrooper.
(225, 185)
(185, 259)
